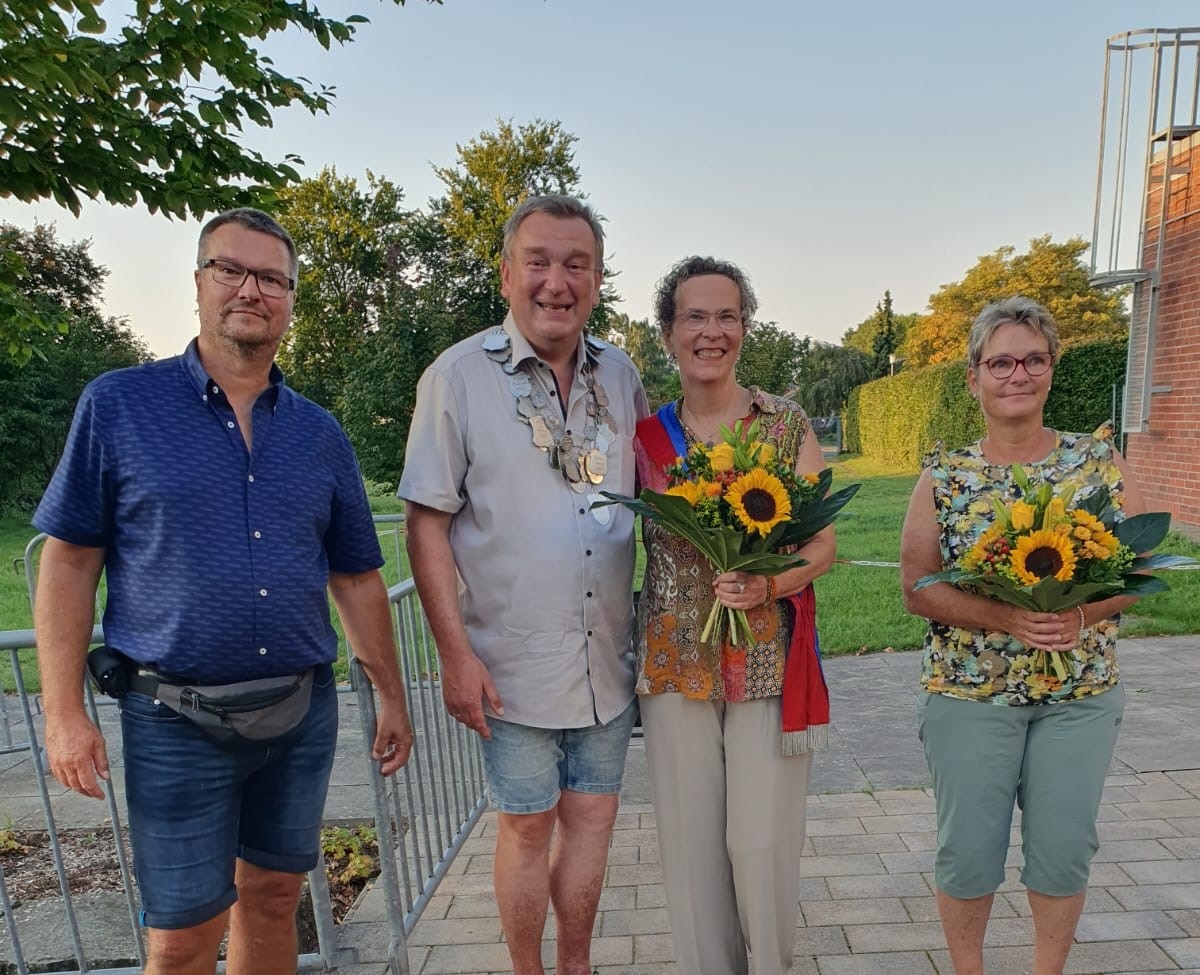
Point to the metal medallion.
(595, 465)
(542, 437)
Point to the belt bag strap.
(252, 710)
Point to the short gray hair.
(556, 205)
(255, 220)
(1011, 311)
(695, 267)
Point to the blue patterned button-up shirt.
(217, 558)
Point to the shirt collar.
(204, 384)
(589, 347)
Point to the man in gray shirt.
(527, 588)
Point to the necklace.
(694, 427)
(582, 460)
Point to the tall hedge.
(898, 419)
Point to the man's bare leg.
(186, 951)
(262, 924)
(521, 875)
(585, 824)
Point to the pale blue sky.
(832, 149)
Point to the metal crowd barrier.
(426, 811)
(423, 814)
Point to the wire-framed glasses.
(1003, 366)
(270, 283)
(694, 319)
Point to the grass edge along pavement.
(859, 606)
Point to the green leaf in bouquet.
(765, 563)
(1053, 596)
(952, 576)
(1140, 585)
(1020, 478)
(1164, 561)
(997, 587)
(1143, 532)
(815, 516)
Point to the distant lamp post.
(892, 360)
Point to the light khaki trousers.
(729, 809)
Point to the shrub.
(899, 418)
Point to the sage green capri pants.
(1051, 759)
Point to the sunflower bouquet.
(741, 506)
(1048, 551)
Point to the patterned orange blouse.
(677, 595)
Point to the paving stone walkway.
(867, 905)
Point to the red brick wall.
(1166, 458)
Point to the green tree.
(641, 341)
(444, 296)
(150, 112)
(126, 117)
(497, 171)
(37, 402)
(880, 335)
(772, 358)
(830, 373)
(355, 250)
(1053, 274)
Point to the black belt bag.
(248, 711)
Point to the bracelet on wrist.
(1082, 623)
(770, 591)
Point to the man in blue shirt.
(221, 505)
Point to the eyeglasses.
(1003, 366)
(694, 320)
(270, 283)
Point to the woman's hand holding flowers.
(741, 590)
(1042, 631)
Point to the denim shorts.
(1049, 759)
(527, 768)
(194, 807)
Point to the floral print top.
(991, 665)
(677, 595)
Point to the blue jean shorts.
(527, 768)
(195, 807)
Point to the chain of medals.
(583, 461)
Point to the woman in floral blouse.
(728, 735)
(997, 728)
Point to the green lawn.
(859, 606)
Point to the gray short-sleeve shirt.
(547, 581)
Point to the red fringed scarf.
(805, 696)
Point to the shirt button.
(215, 389)
(589, 632)
(205, 397)
(583, 511)
(589, 595)
(262, 651)
(251, 478)
(588, 552)
(259, 535)
(229, 423)
(263, 592)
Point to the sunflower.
(690, 491)
(759, 500)
(1042, 554)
